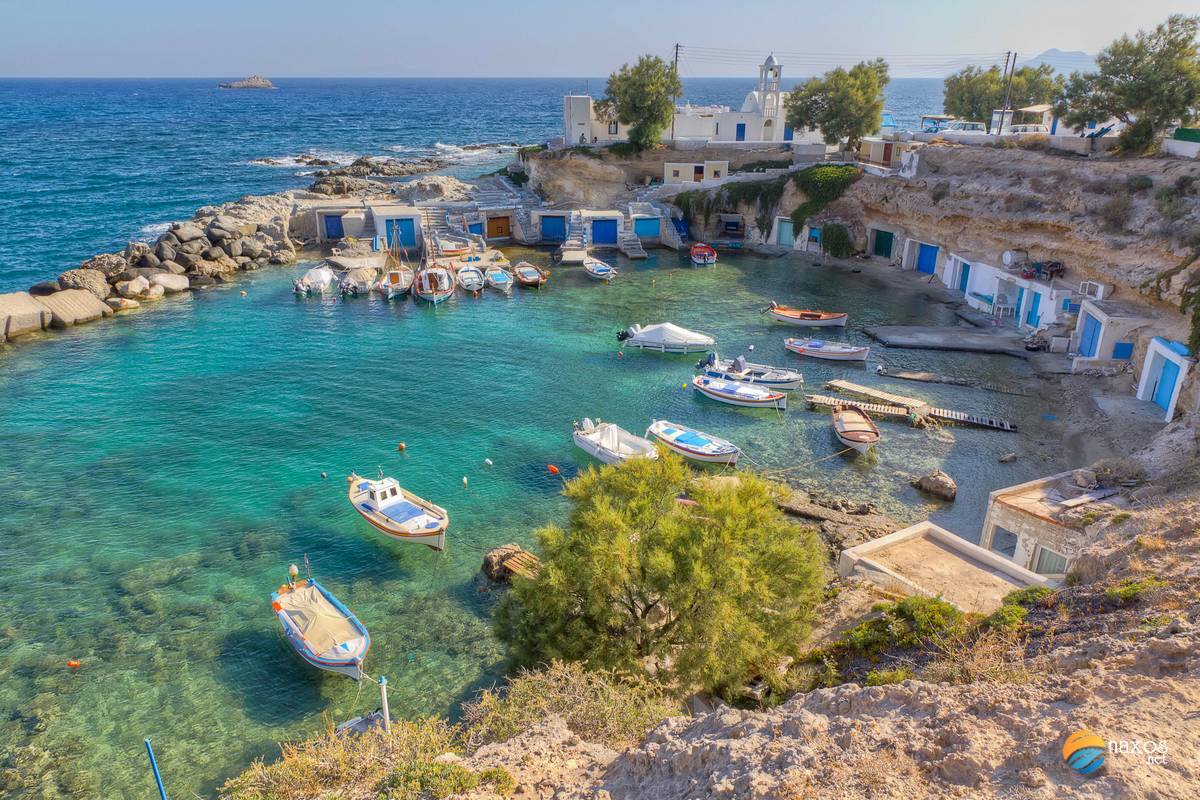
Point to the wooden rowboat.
(806, 318)
(855, 429)
(736, 393)
(320, 629)
(693, 444)
(830, 351)
(528, 274)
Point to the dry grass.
(993, 656)
(1151, 543)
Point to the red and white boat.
(831, 351)
(807, 318)
(703, 254)
(434, 284)
(735, 393)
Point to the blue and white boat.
(398, 513)
(597, 270)
(498, 278)
(693, 444)
(320, 628)
(739, 369)
(736, 393)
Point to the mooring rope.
(809, 464)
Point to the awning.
(1041, 108)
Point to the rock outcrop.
(382, 167)
(341, 185)
(493, 563)
(91, 280)
(433, 187)
(252, 82)
(938, 484)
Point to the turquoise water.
(160, 472)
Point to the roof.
(1116, 309)
(1040, 108)
(771, 62)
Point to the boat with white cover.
(693, 444)
(396, 512)
(610, 443)
(665, 337)
(498, 278)
(346, 259)
(471, 279)
(598, 270)
(739, 369)
(830, 351)
(318, 280)
(358, 281)
(736, 393)
(855, 429)
(395, 283)
(320, 628)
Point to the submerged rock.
(938, 484)
(122, 304)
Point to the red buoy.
(553, 470)
(73, 664)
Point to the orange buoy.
(74, 664)
(553, 470)
(402, 447)
(620, 354)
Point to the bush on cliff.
(822, 185)
(699, 594)
(835, 240)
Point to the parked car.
(1023, 129)
(961, 127)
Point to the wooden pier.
(525, 564)
(895, 405)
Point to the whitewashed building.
(760, 118)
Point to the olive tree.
(843, 104)
(973, 92)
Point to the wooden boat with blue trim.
(736, 393)
(693, 444)
(320, 628)
(398, 513)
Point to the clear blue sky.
(450, 38)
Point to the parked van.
(959, 126)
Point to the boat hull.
(351, 663)
(848, 354)
(703, 255)
(727, 454)
(593, 448)
(433, 535)
(770, 399)
(838, 321)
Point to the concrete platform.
(968, 340)
(74, 307)
(21, 314)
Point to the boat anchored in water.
(736, 393)
(434, 284)
(855, 429)
(318, 280)
(358, 281)
(739, 369)
(530, 275)
(319, 627)
(806, 318)
(498, 278)
(598, 270)
(831, 351)
(693, 444)
(665, 337)
(471, 279)
(395, 283)
(396, 512)
(703, 254)
(610, 443)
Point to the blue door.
(604, 231)
(402, 230)
(964, 277)
(554, 229)
(1090, 338)
(1017, 308)
(787, 234)
(333, 227)
(476, 228)
(1123, 351)
(927, 258)
(1165, 388)
(788, 133)
(741, 132)
(647, 227)
(1033, 316)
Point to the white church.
(760, 119)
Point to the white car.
(970, 128)
(1022, 130)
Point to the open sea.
(159, 472)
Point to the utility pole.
(1008, 91)
(675, 100)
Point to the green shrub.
(597, 706)
(763, 195)
(939, 192)
(903, 625)
(1028, 597)
(1137, 138)
(624, 149)
(1138, 183)
(1119, 517)
(1185, 184)
(1006, 618)
(1115, 212)
(760, 166)
(530, 149)
(882, 677)
(1131, 590)
(822, 185)
(835, 240)
(427, 780)
(1170, 203)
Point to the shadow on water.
(275, 685)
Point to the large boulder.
(186, 232)
(73, 307)
(92, 280)
(148, 260)
(43, 288)
(213, 253)
(170, 283)
(194, 247)
(165, 252)
(21, 314)
(494, 563)
(938, 484)
(188, 260)
(122, 304)
(108, 263)
(172, 267)
(233, 248)
(338, 185)
(251, 247)
(148, 272)
(201, 281)
(132, 289)
(135, 250)
(155, 292)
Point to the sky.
(541, 38)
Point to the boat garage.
(1164, 371)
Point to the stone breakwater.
(210, 249)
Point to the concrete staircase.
(523, 230)
(630, 245)
(576, 245)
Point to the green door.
(883, 243)
(786, 236)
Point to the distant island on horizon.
(253, 82)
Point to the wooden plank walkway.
(876, 394)
(966, 418)
(877, 409)
(527, 565)
(899, 406)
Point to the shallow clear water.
(161, 470)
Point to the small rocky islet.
(252, 82)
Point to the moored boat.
(736, 393)
(358, 280)
(433, 284)
(320, 628)
(396, 512)
(855, 429)
(703, 254)
(610, 443)
(356, 258)
(395, 283)
(666, 337)
(598, 270)
(807, 318)
(739, 369)
(471, 279)
(693, 444)
(451, 245)
(318, 280)
(498, 278)
(528, 274)
(831, 351)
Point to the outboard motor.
(625, 334)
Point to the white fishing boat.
(450, 246)
(665, 337)
(610, 443)
(805, 317)
(434, 284)
(395, 283)
(498, 278)
(359, 280)
(736, 393)
(831, 351)
(318, 280)
(739, 369)
(357, 257)
(597, 270)
(855, 429)
(320, 628)
(471, 279)
(397, 512)
(693, 444)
